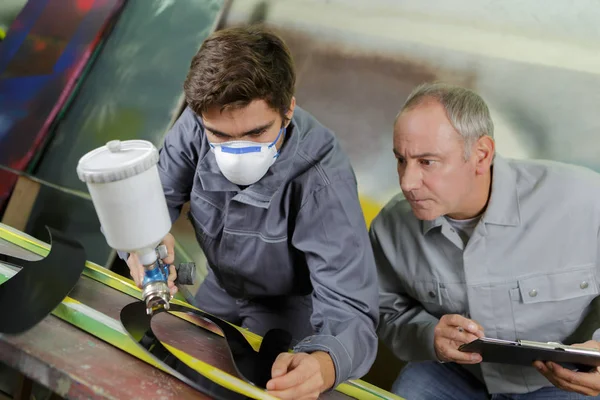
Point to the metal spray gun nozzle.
(156, 292)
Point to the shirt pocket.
(440, 298)
(549, 307)
(206, 217)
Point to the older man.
(481, 245)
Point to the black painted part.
(39, 287)
(137, 323)
(252, 366)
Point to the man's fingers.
(170, 258)
(580, 382)
(454, 355)
(539, 366)
(172, 288)
(280, 366)
(447, 350)
(171, 280)
(473, 328)
(585, 379)
(455, 320)
(136, 270)
(590, 344)
(172, 274)
(454, 333)
(135, 276)
(450, 333)
(461, 337)
(301, 373)
(309, 389)
(169, 242)
(458, 321)
(479, 328)
(562, 378)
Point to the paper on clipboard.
(525, 352)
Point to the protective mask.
(244, 162)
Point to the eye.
(400, 160)
(427, 163)
(220, 136)
(257, 134)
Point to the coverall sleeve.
(178, 159)
(330, 230)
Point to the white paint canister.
(122, 178)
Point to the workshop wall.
(132, 90)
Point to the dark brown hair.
(237, 65)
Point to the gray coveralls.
(290, 251)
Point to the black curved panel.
(40, 286)
(137, 323)
(252, 366)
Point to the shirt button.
(584, 285)
(431, 293)
(532, 293)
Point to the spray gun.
(156, 292)
(123, 181)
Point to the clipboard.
(525, 352)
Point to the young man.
(481, 245)
(275, 208)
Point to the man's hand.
(451, 332)
(301, 375)
(586, 383)
(136, 269)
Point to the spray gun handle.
(186, 272)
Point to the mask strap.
(278, 135)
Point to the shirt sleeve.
(404, 325)
(331, 232)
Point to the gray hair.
(466, 110)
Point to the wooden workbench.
(74, 364)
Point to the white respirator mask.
(244, 162)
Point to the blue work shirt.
(298, 230)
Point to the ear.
(484, 150)
(290, 113)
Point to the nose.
(410, 178)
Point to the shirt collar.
(427, 225)
(503, 205)
(260, 193)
